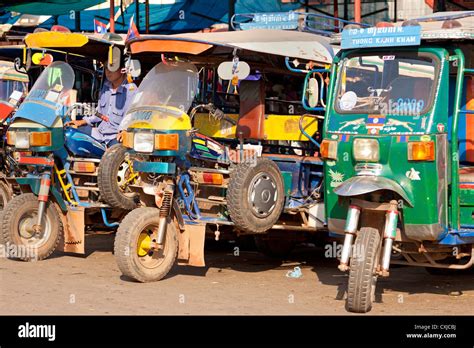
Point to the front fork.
(42, 200)
(389, 234)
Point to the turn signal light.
(166, 142)
(328, 149)
(40, 139)
(127, 140)
(421, 151)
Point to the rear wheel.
(19, 217)
(114, 175)
(362, 274)
(132, 250)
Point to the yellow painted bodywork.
(164, 121)
(277, 127)
(55, 39)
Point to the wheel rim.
(25, 229)
(263, 195)
(147, 257)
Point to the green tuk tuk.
(399, 149)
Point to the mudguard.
(35, 182)
(359, 185)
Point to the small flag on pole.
(132, 30)
(99, 27)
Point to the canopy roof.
(282, 43)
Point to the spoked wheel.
(133, 246)
(362, 275)
(114, 176)
(19, 218)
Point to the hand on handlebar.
(76, 123)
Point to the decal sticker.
(334, 136)
(344, 137)
(393, 122)
(423, 122)
(388, 58)
(425, 138)
(214, 147)
(331, 163)
(355, 123)
(440, 128)
(336, 178)
(402, 139)
(413, 174)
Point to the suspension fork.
(42, 200)
(165, 210)
(389, 234)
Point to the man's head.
(114, 77)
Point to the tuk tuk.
(216, 154)
(399, 159)
(57, 165)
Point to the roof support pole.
(137, 14)
(231, 12)
(112, 16)
(147, 16)
(357, 17)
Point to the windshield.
(53, 84)
(397, 84)
(171, 84)
(7, 87)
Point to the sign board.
(381, 37)
(272, 20)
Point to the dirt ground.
(246, 284)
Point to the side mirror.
(227, 71)
(133, 67)
(113, 61)
(312, 92)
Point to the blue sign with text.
(272, 20)
(381, 37)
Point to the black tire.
(6, 194)
(150, 267)
(276, 248)
(362, 274)
(255, 195)
(22, 211)
(109, 179)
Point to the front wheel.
(362, 274)
(19, 217)
(132, 251)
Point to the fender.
(358, 185)
(34, 184)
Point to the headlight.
(143, 142)
(366, 150)
(23, 140)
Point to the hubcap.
(148, 257)
(263, 195)
(27, 232)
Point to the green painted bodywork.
(287, 182)
(35, 182)
(394, 163)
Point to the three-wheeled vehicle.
(249, 164)
(58, 164)
(398, 149)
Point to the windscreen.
(386, 84)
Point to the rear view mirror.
(312, 92)
(114, 59)
(227, 71)
(133, 67)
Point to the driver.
(115, 98)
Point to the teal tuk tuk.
(398, 149)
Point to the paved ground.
(246, 284)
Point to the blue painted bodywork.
(82, 145)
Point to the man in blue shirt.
(115, 98)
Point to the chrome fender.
(359, 185)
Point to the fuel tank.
(83, 145)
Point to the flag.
(132, 30)
(99, 27)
